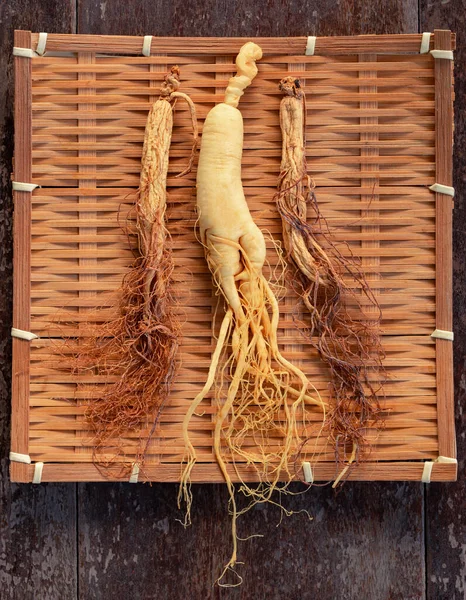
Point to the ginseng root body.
(256, 423)
(136, 352)
(332, 285)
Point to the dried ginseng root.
(264, 399)
(349, 346)
(137, 351)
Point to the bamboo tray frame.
(61, 100)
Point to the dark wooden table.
(373, 541)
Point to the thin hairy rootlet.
(136, 352)
(262, 399)
(349, 345)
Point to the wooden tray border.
(21, 258)
(325, 46)
(132, 45)
(444, 247)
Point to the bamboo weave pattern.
(371, 152)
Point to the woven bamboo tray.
(379, 133)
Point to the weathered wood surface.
(446, 504)
(241, 18)
(366, 542)
(37, 524)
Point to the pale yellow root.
(262, 383)
(256, 393)
(231, 397)
(345, 469)
(269, 328)
(274, 466)
(184, 491)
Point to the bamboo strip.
(207, 473)
(325, 192)
(444, 206)
(319, 83)
(418, 66)
(384, 44)
(372, 230)
(321, 123)
(21, 257)
(127, 102)
(88, 169)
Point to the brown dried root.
(137, 351)
(351, 348)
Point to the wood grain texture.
(359, 544)
(444, 206)
(21, 256)
(240, 18)
(37, 525)
(131, 45)
(210, 473)
(446, 504)
(366, 542)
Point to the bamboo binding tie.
(134, 474)
(23, 52)
(23, 335)
(26, 460)
(441, 334)
(38, 468)
(146, 45)
(311, 45)
(19, 186)
(429, 465)
(445, 54)
(440, 188)
(41, 43)
(20, 458)
(28, 52)
(307, 472)
(425, 43)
